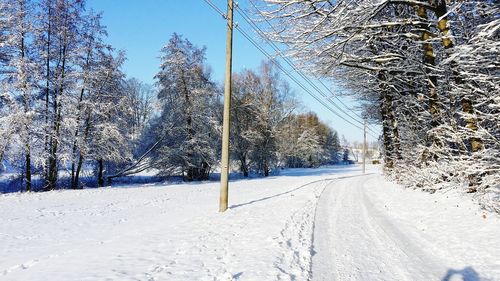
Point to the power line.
(287, 60)
(211, 4)
(294, 79)
(301, 74)
(263, 34)
(265, 53)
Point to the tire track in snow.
(296, 239)
(297, 236)
(355, 241)
(405, 241)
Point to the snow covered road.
(277, 228)
(368, 229)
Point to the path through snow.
(368, 229)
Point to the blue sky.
(142, 27)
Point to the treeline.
(266, 133)
(63, 102)
(185, 137)
(427, 71)
(70, 118)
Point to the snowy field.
(319, 224)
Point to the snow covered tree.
(274, 102)
(58, 40)
(266, 133)
(5, 18)
(414, 64)
(9, 124)
(19, 77)
(187, 121)
(102, 130)
(261, 103)
(56, 77)
(243, 117)
(63, 101)
(140, 97)
(305, 141)
(90, 73)
(107, 120)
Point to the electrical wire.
(259, 31)
(294, 79)
(263, 34)
(287, 73)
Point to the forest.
(71, 118)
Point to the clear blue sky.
(142, 27)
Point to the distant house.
(356, 156)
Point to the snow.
(368, 229)
(277, 228)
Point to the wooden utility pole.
(224, 175)
(364, 147)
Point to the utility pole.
(364, 147)
(224, 175)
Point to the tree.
(5, 22)
(140, 97)
(9, 124)
(20, 74)
(62, 97)
(305, 141)
(107, 121)
(243, 117)
(261, 103)
(188, 119)
(92, 56)
(59, 45)
(407, 62)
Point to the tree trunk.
(265, 169)
(244, 169)
(429, 64)
(386, 134)
(81, 157)
(47, 92)
(471, 124)
(100, 173)
(205, 170)
(440, 12)
(467, 105)
(394, 127)
(243, 165)
(28, 169)
(53, 169)
(189, 174)
(76, 183)
(2, 152)
(390, 133)
(189, 124)
(74, 180)
(26, 99)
